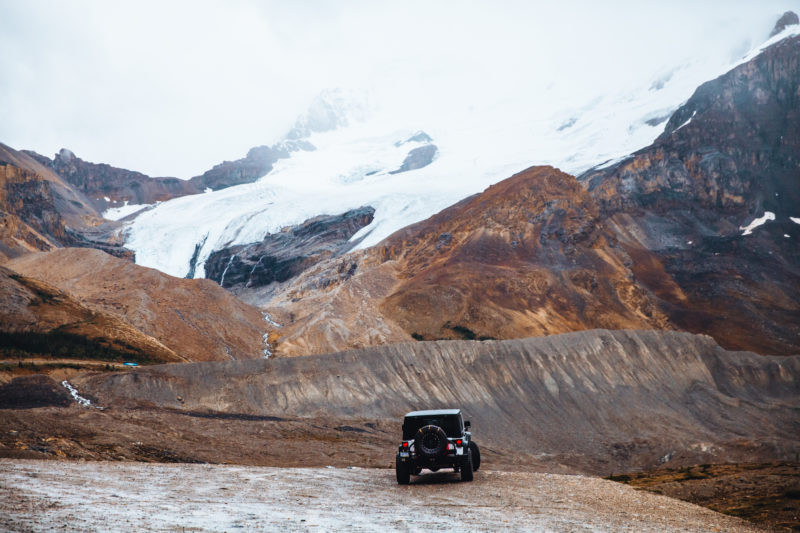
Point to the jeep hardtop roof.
(433, 412)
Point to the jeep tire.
(466, 468)
(476, 456)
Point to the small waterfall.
(222, 279)
(268, 320)
(77, 397)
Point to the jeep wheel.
(476, 456)
(431, 441)
(466, 468)
(403, 472)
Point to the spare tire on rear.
(430, 441)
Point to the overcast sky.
(173, 87)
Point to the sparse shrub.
(464, 332)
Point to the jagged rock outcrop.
(37, 318)
(195, 319)
(789, 18)
(107, 186)
(679, 207)
(38, 211)
(257, 163)
(282, 256)
(600, 401)
(29, 219)
(418, 157)
(99, 181)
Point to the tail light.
(458, 442)
(405, 444)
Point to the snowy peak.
(331, 109)
(789, 18)
(65, 154)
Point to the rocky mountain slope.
(530, 256)
(599, 401)
(40, 211)
(691, 203)
(37, 318)
(99, 181)
(107, 187)
(193, 318)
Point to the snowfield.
(479, 143)
(105, 496)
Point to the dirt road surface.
(105, 496)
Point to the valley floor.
(113, 496)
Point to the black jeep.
(434, 440)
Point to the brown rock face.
(36, 317)
(733, 147)
(28, 220)
(39, 211)
(727, 157)
(100, 180)
(195, 319)
(527, 257)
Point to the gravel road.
(109, 496)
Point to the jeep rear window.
(450, 425)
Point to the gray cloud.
(171, 88)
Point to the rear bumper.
(441, 461)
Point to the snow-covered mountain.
(361, 145)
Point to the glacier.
(361, 140)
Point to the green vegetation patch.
(61, 345)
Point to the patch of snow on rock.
(117, 213)
(687, 122)
(747, 230)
